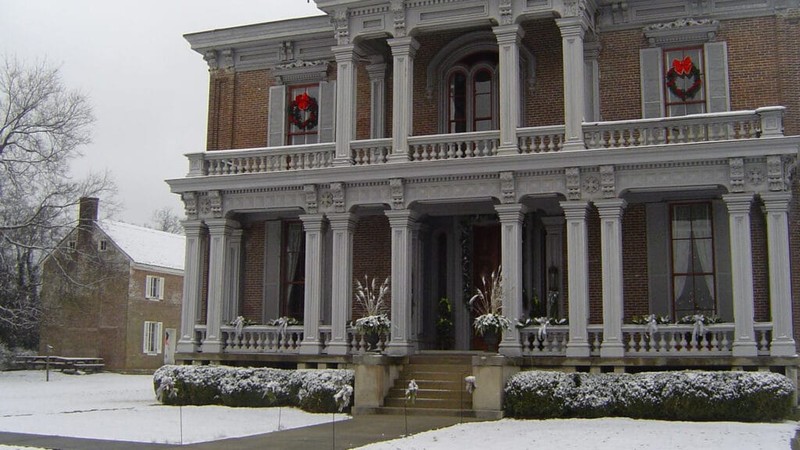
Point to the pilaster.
(776, 205)
(401, 223)
(377, 88)
(219, 231)
(403, 51)
(613, 301)
(342, 226)
(233, 274)
(573, 30)
(192, 284)
(314, 226)
(578, 263)
(508, 40)
(345, 103)
(511, 217)
(744, 343)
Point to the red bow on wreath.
(685, 69)
(303, 105)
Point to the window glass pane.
(304, 114)
(695, 108)
(701, 220)
(483, 125)
(701, 256)
(681, 222)
(458, 103)
(681, 256)
(483, 106)
(683, 287)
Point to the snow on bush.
(689, 395)
(311, 390)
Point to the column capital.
(610, 208)
(575, 209)
(403, 46)
(572, 26)
(377, 71)
(313, 222)
(511, 212)
(342, 221)
(402, 217)
(509, 34)
(220, 226)
(739, 203)
(193, 227)
(776, 201)
(344, 52)
(552, 221)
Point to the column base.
(338, 348)
(612, 350)
(578, 350)
(510, 349)
(186, 347)
(397, 158)
(310, 348)
(745, 349)
(212, 346)
(509, 150)
(570, 146)
(783, 348)
(342, 162)
(399, 349)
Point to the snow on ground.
(601, 434)
(123, 407)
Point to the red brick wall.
(545, 105)
(363, 100)
(634, 261)
(620, 90)
(758, 238)
(595, 267)
(372, 252)
(253, 238)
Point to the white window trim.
(152, 341)
(102, 245)
(159, 287)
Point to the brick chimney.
(87, 216)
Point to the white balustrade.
(263, 160)
(763, 337)
(370, 152)
(454, 146)
(262, 339)
(679, 340)
(552, 341)
(325, 336)
(540, 139)
(199, 333)
(357, 342)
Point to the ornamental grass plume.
(372, 297)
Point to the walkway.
(359, 431)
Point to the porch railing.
(540, 139)
(371, 152)
(262, 160)
(453, 146)
(262, 339)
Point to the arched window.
(472, 95)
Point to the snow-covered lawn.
(123, 407)
(601, 434)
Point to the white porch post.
(578, 264)
(744, 343)
(418, 232)
(780, 281)
(342, 227)
(377, 88)
(192, 284)
(511, 217)
(572, 33)
(403, 51)
(345, 103)
(613, 301)
(401, 222)
(508, 39)
(314, 226)
(219, 231)
(230, 309)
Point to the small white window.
(102, 245)
(154, 288)
(152, 338)
(71, 245)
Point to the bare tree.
(165, 219)
(42, 126)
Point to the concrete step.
(441, 394)
(427, 403)
(453, 385)
(447, 412)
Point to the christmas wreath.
(302, 105)
(684, 69)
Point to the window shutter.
(161, 288)
(652, 81)
(277, 116)
(148, 286)
(327, 111)
(716, 77)
(159, 336)
(146, 340)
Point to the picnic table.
(63, 363)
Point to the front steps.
(441, 388)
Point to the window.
(684, 89)
(71, 245)
(102, 245)
(692, 247)
(293, 270)
(152, 338)
(471, 95)
(303, 114)
(154, 288)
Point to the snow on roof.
(145, 245)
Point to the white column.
(511, 217)
(613, 301)
(230, 309)
(554, 251)
(342, 227)
(578, 264)
(345, 103)
(219, 231)
(314, 226)
(377, 89)
(417, 275)
(192, 284)
(508, 39)
(572, 32)
(401, 223)
(744, 343)
(403, 51)
(780, 278)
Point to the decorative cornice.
(507, 188)
(681, 31)
(398, 193)
(573, 182)
(190, 204)
(311, 198)
(737, 174)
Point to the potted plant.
(375, 321)
(488, 304)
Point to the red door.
(485, 260)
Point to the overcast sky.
(149, 90)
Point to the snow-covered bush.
(311, 390)
(689, 395)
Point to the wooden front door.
(485, 260)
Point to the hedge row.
(689, 395)
(311, 390)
